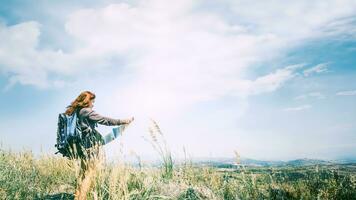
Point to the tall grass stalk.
(160, 145)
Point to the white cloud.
(178, 57)
(295, 20)
(347, 93)
(170, 38)
(173, 57)
(24, 63)
(298, 108)
(272, 81)
(320, 68)
(343, 28)
(17, 52)
(173, 52)
(317, 95)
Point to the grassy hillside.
(51, 177)
(24, 177)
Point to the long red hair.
(84, 100)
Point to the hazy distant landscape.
(231, 162)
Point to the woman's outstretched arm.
(97, 118)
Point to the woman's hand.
(128, 121)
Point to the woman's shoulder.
(84, 111)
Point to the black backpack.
(68, 132)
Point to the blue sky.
(269, 80)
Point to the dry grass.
(24, 177)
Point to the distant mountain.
(346, 161)
(306, 161)
(231, 162)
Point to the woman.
(88, 120)
(87, 149)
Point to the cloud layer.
(162, 43)
(159, 58)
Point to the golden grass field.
(22, 176)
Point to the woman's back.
(88, 120)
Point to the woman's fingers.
(128, 121)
